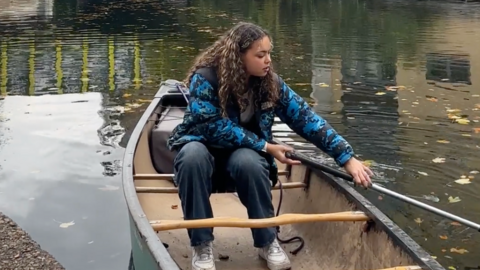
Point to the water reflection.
(392, 77)
(55, 171)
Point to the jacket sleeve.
(206, 114)
(297, 114)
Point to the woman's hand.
(360, 173)
(278, 151)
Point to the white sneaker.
(275, 256)
(202, 257)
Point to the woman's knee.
(193, 154)
(247, 161)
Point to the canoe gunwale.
(142, 224)
(162, 255)
(381, 221)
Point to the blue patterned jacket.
(203, 122)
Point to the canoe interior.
(328, 245)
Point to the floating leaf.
(67, 224)
(459, 251)
(431, 198)
(418, 220)
(423, 173)
(443, 141)
(462, 121)
(323, 85)
(454, 110)
(368, 163)
(453, 199)
(476, 130)
(443, 237)
(108, 188)
(463, 181)
(144, 100)
(438, 160)
(380, 93)
(452, 268)
(127, 95)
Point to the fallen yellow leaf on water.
(368, 163)
(144, 100)
(302, 84)
(463, 181)
(453, 200)
(453, 116)
(67, 224)
(418, 220)
(323, 85)
(452, 268)
(438, 160)
(459, 251)
(443, 237)
(476, 130)
(380, 93)
(127, 95)
(454, 110)
(462, 121)
(443, 141)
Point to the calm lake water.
(399, 79)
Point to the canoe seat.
(284, 219)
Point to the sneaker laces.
(274, 248)
(204, 252)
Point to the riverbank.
(19, 251)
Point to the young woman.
(226, 130)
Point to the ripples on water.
(390, 76)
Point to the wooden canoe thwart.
(175, 190)
(158, 176)
(318, 209)
(411, 267)
(165, 225)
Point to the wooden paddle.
(311, 163)
(165, 225)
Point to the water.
(390, 76)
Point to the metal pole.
(309, 162)
(427, 207)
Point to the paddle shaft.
(165, 225)
(378, 188)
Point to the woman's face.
(257, 58)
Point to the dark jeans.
(194, 168)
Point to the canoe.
(339, 227)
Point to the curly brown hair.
(225, 56)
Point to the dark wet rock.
(19, 251)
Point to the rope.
(300, 239)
